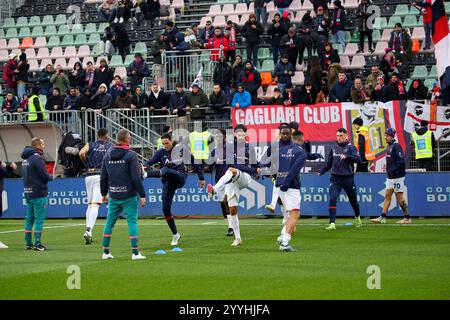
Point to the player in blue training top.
(341, 161)
(395, 182)
(173, 176)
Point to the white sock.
(224, 180)
(285, 214)
(93, 215)
(286, 238)
(88, 213)
(283, 230)
(275, 196)
(235, 226)
(230, 222)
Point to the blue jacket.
(10, 106)
(343, 167)
(164, 157)
(341, 91)
(283, 77)
(121, 175)
(243, 98)
(291, 160)
(338, 24)
(96, 154)
(73, 102)
(35, 175)
(395, 161)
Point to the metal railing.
(184, 66)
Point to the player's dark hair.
(294, 125)
(167, 135)
(297, 133)
(342, 130)
(240, 127)
(101, 133)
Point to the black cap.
(358, 121)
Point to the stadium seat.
(410, 22)
(214, 11)
(97, 62)
(380, 23)
(13, 43)
(67, 40)
(128, 60)
(260, 93)
(178, 4)
(81, 39)
(24, 32)
(26, 43)
(241, 8)
(77, 29)
(86, 60)
(31, 53)
(433, 72)
(351, 4)
(267, 65)
(2, 33)
(45, 63)
(84, 51)
(266, 78)
(386, 36)
(415, 45)
(358, 62)
(40, 42)
(345, 62)
(48, 20)
(50, 31)
(11, 33)
(420, 72)
(70, 52)
(121, 71)
(298, 78)
(16, 51)
(307, 5)
(57, 52)
(43, 53)
(298, 16)
(63, 30)
(270, 7)
(53, 41)
(21, 22)
(228, 9)
(244, 19)
(350, 49)
(402, 10)
(61, 19)
(62, 62)
(116, 61)
(376, 36)
(72, 62)
(9, 23)
(37, 32)
(34, 21)
(295, 5)
(380, 48)
(102, 27)
(4, 55)
(393, 20)
(141, 48)
(418, 33)
(219, 21)
(429, 83)
(94, 39)
(34, 65)
(264, 54)
(96, 50)
(3, 44)
(270, 91)
(234, 18)
(354, 38)
(90, 28)
(203, 21)
(447, 7)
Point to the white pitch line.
(52, 227)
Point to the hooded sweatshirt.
(395, 161)
(104, 100)
(141, 100)
(121, 175)
(291, 159)
(35, 176)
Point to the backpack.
(73, 166)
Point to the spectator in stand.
(21, 75)
(284, 72)
(107, 10)
(151, 11)
(44, 80)
(86, 101)
(330, 56)
(247, 2)
(106, 44)
(24, 103)
(241, 98)
(9, 72)
(121, 40)
(379, 91)
(170, 33)
(180, 44)
(388, 64)
(395, 90)
(317, 4)
(309, 93)
(89, 77)
(341, 91)
(117, 87)
(138, 12)
(261, 11)
(178, 105)
(403, 69)
(72, 101)
(365, 26)
(103, 74)
(218, 102)
(191, 39)
(223, 75)
(359, 95)
(252, 31)
(401, 43)
(314, 73)
(123, 12)
(277, 98)
(60, 80)
(426, 12)
(158, 101)
(323, 96)
(292, 96)
(197, 102)
(282, 5)
(321, 23)
(277, 30)
(371, 80)
(11, 103)
(137, 70)
(157, 48)
(286, 19)
(207, 33)
(238, 67)
(306, 35)
(55, 101)
(338, 21)
(333, 74)
(218, 41)
(76, 76)
(102, 99)
(250, 78)
(123, 101)
(230, 33)
(417, 91)
(290, 44)
(139, 99)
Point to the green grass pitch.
(414, 261)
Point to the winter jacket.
(284, 72)
(290, 45)
(86, 101)
(291, 159)
(53, 101)
(251, 79)
(243, 98)
(308, 98)
(123, 103)
(142, 71)
(115, 90)
(321, 25)
(78, 80)
(121, 175)
(61, 82)
(10, 105)
(252, 35)
(236, 70)
(395, 161)
(277, 32)
(170, 37)
(223, 74)
(357, 96)
(217, 43)
(157, 45)
(71, 103)
(44, 79)
(338, 20)
(121, 36)
(178, 101)
(371, 82)
(341, 91)
(379, 95)
(401, 42)
(180, 43)
(338, 166)
(158, 103)
(363, 15)
(140, 101)
(103, 75)
(199, 99)
(23, 68)
(206, 35)
(102, 101)
(8, 73)
(35, 175)
(218, 102)
(328, 58)
(419, 93)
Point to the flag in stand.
(198, 79)
(441, 38)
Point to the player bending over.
(235, 177)
(395, 182)
(341, 161)
(173, 176)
